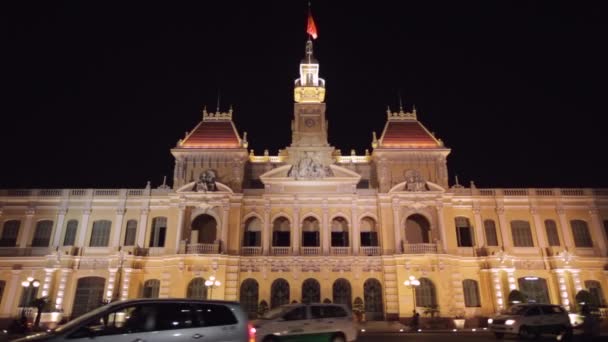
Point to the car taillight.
(251, 330)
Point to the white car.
(296, 322)
(156, 320)
(531, 320)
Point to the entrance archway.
(417, 229)
(89, 295)
(204, 229)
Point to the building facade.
(305, 225)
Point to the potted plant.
(458, 318)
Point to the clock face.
(309, 122)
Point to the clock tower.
(309, 125)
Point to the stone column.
(60, 293)
(11, 293)
(84, 226)
(326, 229)
(296, 231)
(26, 232)
(479, 241)
(115, 237)
(563, 288)
(564, 225)
(497, 288)
(111, 283)
(441, 222)
(354, 230)
(397, 228)
(47, 284)
(503, 226)
(124, 287)
(266, 233)
(539, 229)
(224, 233)
(180, 227)
(59, 227)
(142, 227)
(597, 230)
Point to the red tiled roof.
(212, 134)
(407, 134)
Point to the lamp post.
(211, 283)
(412, 282)
(29, 285)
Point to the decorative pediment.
(195, 187)
(429, 187)
(335, 179)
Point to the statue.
(309, 167)
(414, 181)
(206, 182)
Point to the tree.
(39, 303)
(516, 296)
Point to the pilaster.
(180, 227)
(59, 226)
(117, 229)
(142, 227)
(296, 228)
(26, 232)
(86, 214)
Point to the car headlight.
(510, 322)
(490, 321)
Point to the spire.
(310, 88)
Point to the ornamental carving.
(206, 182)
(309, 167)
(414, 181)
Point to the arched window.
(417, 229)
(490, 229)
(342, 293)
(130, 233)
(29, 293)
(535, 289)
(426, 295)
(89, 295)
(281, 232)
(339, 232)
(464, 232)
(597, 296)
(197, 289)
(151, 288)
(100, 235)
(471, 293)
(205, 228)
(369, 232)
(70, 233)
(252, 237)
(249, 297)
(522, 234)
(311, 291)
(10, 231)
(310, 232)
(279, 293)
(552, 235)
(159, 230)
(580, 231)
(373, 302)
(42, 234)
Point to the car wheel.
(499, 336)
(270, 339)
(338, 338)
(526, 333)
(565, 334)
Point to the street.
(453, 337)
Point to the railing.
(280, 250)
(78, 192)
(26, 251)
(466, 251)
(420, 248)
(97, 250)
(515, 192)
(310, 250)
(106, 192)
(487, 192)
(339, 250)
(202, 248)
(544, 192)
(150, 251)
(572, 192)
(251, 250)
(369, 250)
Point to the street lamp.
(412, 282)
(211, 283)
(30, 282)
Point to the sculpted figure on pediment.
(414, 181)
(309, 167)
(206, 182)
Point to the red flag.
(311, 29)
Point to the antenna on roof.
(218, 101)
(400, 102)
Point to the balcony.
(420, 248)
(369, 250)
(251, 250)
(280, 250)
(150, 251)
(310, 250)
(27, 251)
(202, 248)
(97, 250)
(339, 250)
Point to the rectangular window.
(42, 234)
(310, 239)
(369, 239)
(522, 234)
(130, 233)
(281, 239)
(490, 230)
(9, 233)
(100, 235)
(339, 239)
(580, 232)
(552, 235)
(463, 232)
(70, 233)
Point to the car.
(531, 320)
(155, 320)
(316, 321)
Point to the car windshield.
(79, 320)
(516, 310)
(276, 312)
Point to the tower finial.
(400, 101)
(218, 101)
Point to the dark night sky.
(96, 93)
